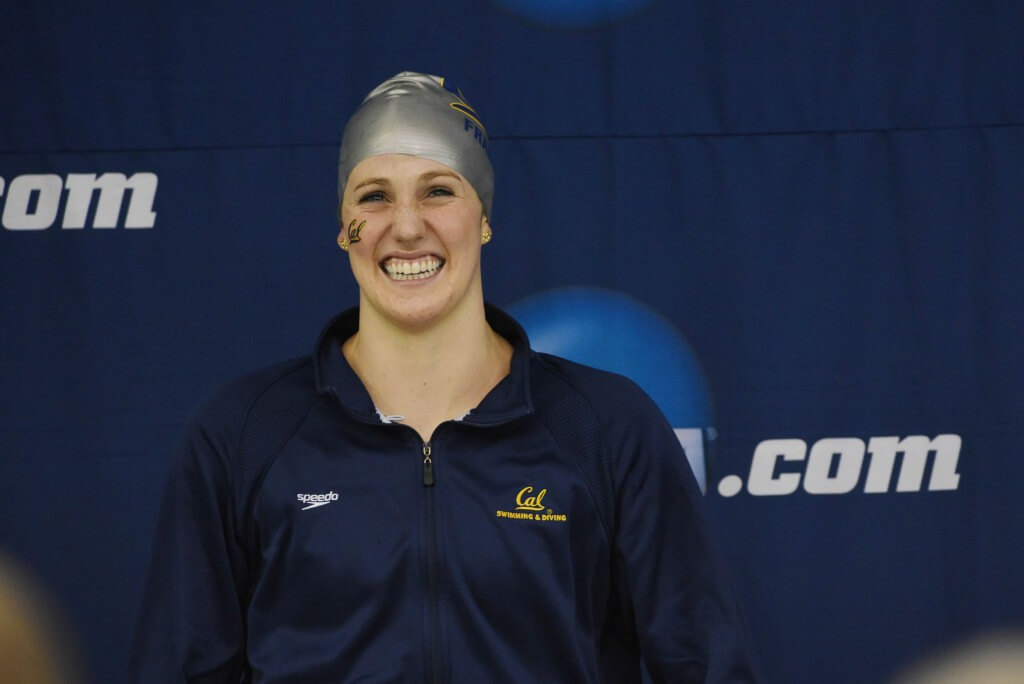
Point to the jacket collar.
(508, 400)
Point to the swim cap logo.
(472, 120)
(530, 506)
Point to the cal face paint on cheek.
(354, 230)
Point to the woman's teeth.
(402, 269)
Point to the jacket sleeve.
(665, 567)
(191, 626)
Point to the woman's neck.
(430, 375)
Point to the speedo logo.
(36, 201)
(840, 465)
(530, 506)
(314, 500)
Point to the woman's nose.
(408, 224)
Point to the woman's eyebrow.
(431, 175)
(371, 181)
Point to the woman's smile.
(419, 268)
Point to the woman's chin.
(416, 304)
(416, 313)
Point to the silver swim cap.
(414, 114)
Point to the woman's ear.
(342, 242)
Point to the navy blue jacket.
(494, 553)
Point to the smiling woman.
(422, 324)
(425, 498)
(419, 219)
(414, 175)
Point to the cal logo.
(530, 506)
(524, 502)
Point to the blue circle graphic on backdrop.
(573, 13)
(615, 332)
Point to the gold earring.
(342, 243)
(485, 236)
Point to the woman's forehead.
(399, 167)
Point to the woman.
(425, 499)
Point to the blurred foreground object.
(992, 659)
(35, 647)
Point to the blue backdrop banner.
(800, 220)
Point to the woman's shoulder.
(265, 390)
(613, 397)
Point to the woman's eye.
(375, 196)
(440, 191)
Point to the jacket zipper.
(428, 466)
(432, 574)
(435, 668)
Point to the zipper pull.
(428, 466)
